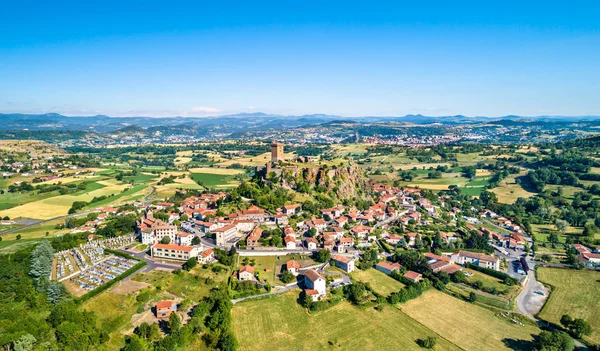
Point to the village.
(340, 237)
(324, 231)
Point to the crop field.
(279, 323)
(140, 178)
(380, 282)
(469, 326)
(37, 231)
(575, 293)
(59, 205)
(215, 177)
(442, 183)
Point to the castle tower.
(276, 151)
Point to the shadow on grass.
(516, 344)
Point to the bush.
(427, 343)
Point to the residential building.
(482, 260)
(315, 284)
(207, 256)
(164, 309)
(293, 267)
(344, 263)
(175, 252)
(414, 276)
(224, 234)
(246, 273)
(387, 267)
(290, 242)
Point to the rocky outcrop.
(345, 181)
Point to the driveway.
(529, 302)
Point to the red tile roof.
(292, 264)
(248, 269)
(412, 275)
(164, 304)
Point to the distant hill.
(243, 121)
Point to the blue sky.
(300, 57)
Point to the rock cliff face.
(345, 181)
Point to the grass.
(490, 282)
(141, 178)
(469, 326)
(575, 293)
(279, 323)
(113, 313)
(380, 282)
(118, 197)
(36, 231)
(211, 180)
(508, 191)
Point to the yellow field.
(215, 170)
(508, 191)
(469, 326)
(183, 160)
(60, 205)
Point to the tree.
(561, 225)
(472, 296)
(323, 256)
(355, 293)
(196, 241)
(24, 343)
(286, 277)
(577, 327)
(429, 342)
(174, 323)
(190, 264)
(580, 327)
(165, 240)
(554, 341)
(459, 277)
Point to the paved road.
(147, 198)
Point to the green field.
(140, 178)
(214, 180)
(576, 293)
(380, 282)
(469, 326)
(279, 323)
(118, 197)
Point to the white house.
(482, 260)
(290, 242)
(315, 284)
(293, 267)
(344, 263)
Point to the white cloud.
(205, 109)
